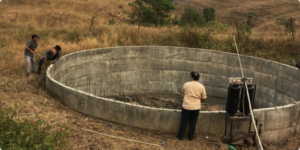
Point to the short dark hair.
(195, 75)
(57, 47)
(33, 36)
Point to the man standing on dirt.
(194, 93)
(30, 48)
(53, 54)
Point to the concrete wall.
(81, 81)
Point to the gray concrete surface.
(83, 79)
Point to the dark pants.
(187, 115)
(42, 61)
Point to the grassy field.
(19, 19)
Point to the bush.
(30, 133)
(111, 21)
(74, 36)
(250, 15)
(175, 21)
(151, 12)
(190, 37)
(192, 18)
(209, 14)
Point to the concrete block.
(168, 64)
(190, 54)
(215, 92)
(218, 69)
(106, 54)
(158, 52)
(216, 81)
(287, 87)
(259, 64)
(203, 55)
(270, 68)
(288, 73)
(277, 136)
(203, 67)
(173, 53)
(166, 76)
(129, 52)
(247, 62)
(220, 58)
(146, 52)
(280, 118)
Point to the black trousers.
(188, 115)
(42, 61)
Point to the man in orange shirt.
(53, 54)
(194, 93)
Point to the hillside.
(230, 11)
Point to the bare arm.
(37, 52)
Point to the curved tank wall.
(85, 80)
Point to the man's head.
(195, 76)
(34, 38)
(58, 48)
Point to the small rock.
(237, 137)
(249, 141)
(238, 142)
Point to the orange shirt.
(193, 93)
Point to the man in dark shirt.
(30, 48)
(53, 54)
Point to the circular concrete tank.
(86, 81)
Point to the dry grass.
(36, 17)
(17, 89)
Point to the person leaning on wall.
(296, 64)
(53, 55)
(194, 93)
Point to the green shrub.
(209, 14)
(190, 37)
(30, 133)
(192, 17)
(175, 21)
(111, 21)
(250, 15)
(151, 12)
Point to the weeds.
(111, 21)
(28, 133)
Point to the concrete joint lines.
(87, 81)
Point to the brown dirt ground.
(15, 88)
